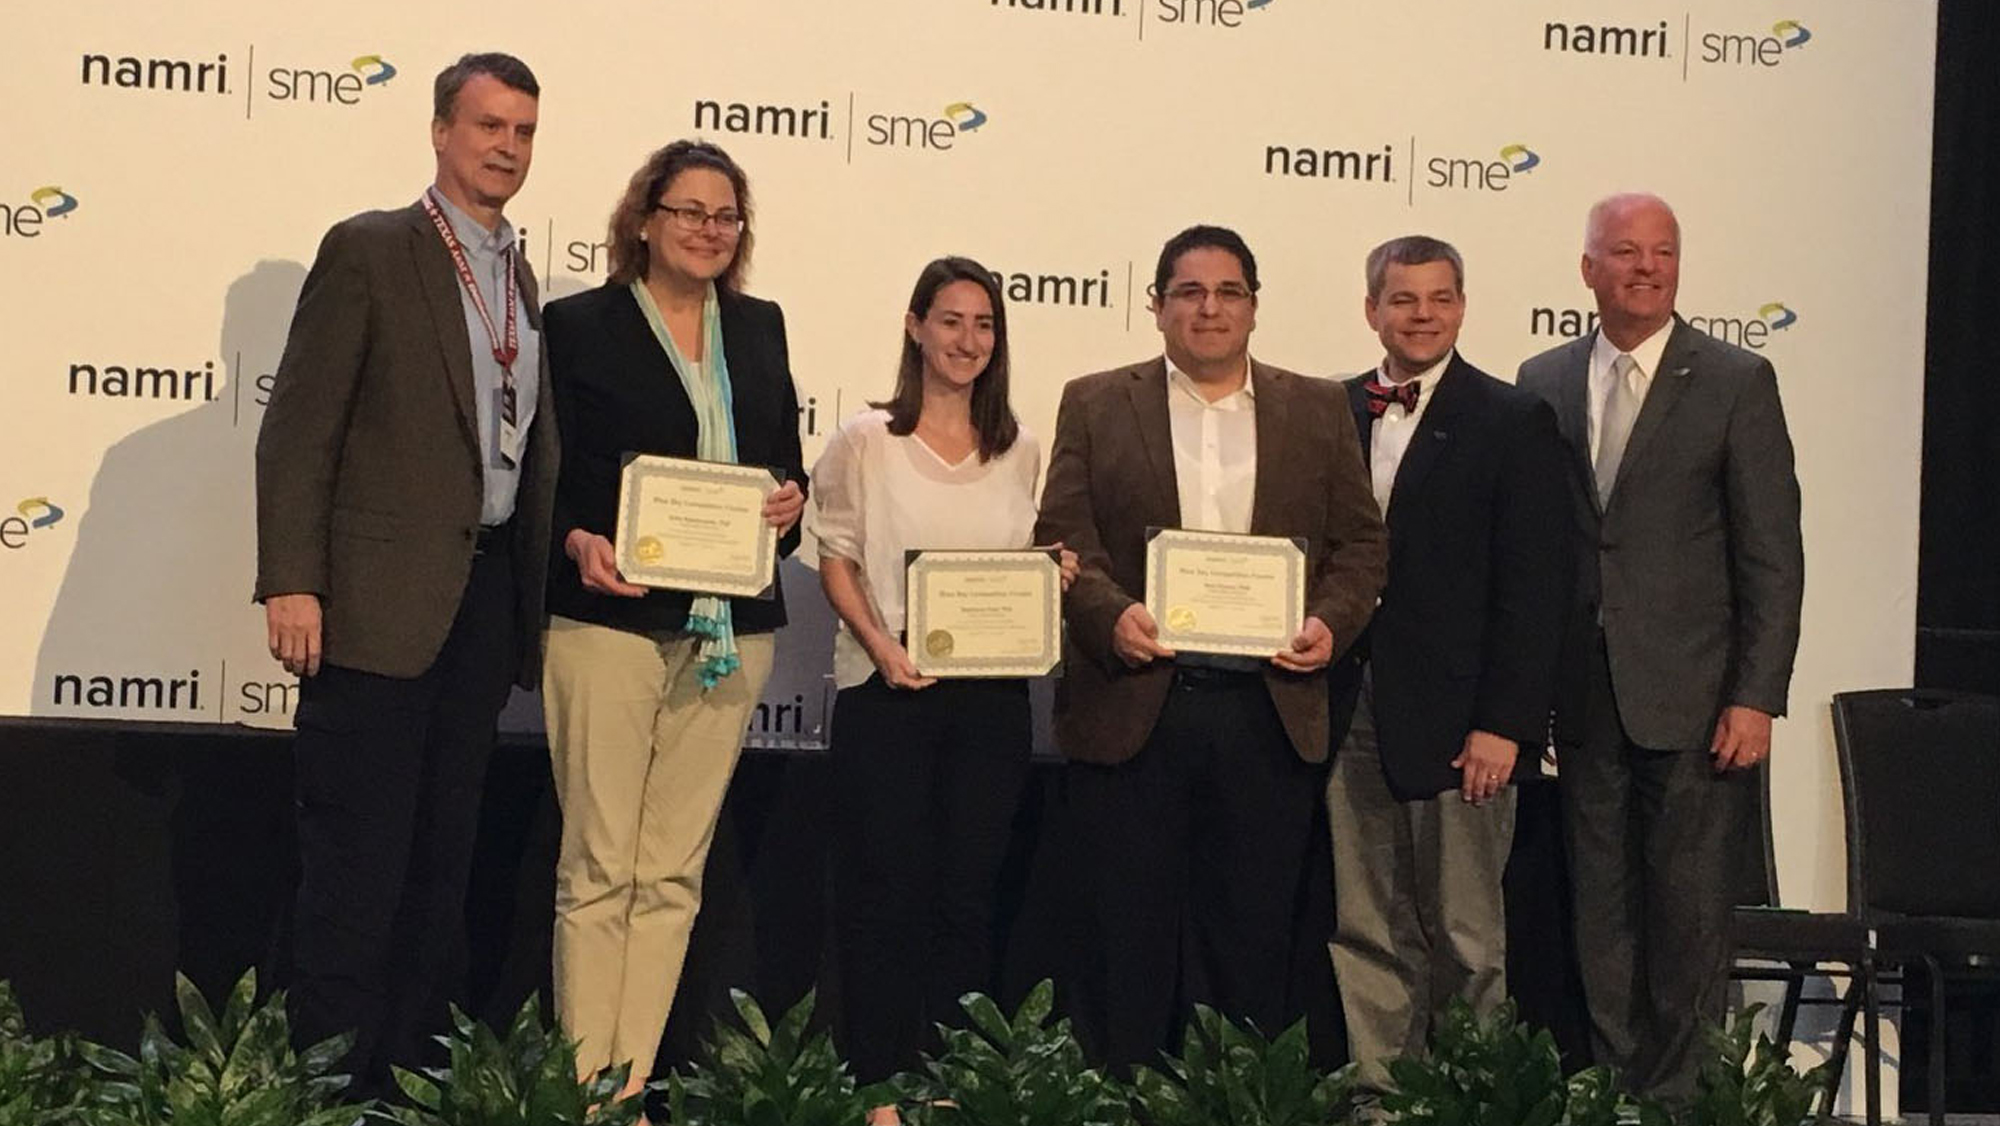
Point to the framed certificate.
(697, 526)
(1219, 592)
(983, 613)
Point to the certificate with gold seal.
(983, 613)
(697, 526)
(1220, 592)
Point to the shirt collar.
(470, 234)
(1647, 354)
(1426, 379)
(1185, 382)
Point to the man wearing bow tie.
(1681, 641)
(1447, 695)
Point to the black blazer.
(616, 391)
(1469, 630)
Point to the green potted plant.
(1496, 1072)
(237, 1068)
(527, 1078)
(768, 1075)
(1747, 1081)
(42, 1082)
(1231, 1075)
(1027, 1071)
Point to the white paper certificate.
(1217, 592)
(697, 526)
(983, 613)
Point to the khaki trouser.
(642, 758)
(1420, 916)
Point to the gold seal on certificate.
(696, 526)
(1219, 592)
(983, 613)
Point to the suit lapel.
(1573, 410)
(1275, 468)
(1147, 389)
(1364, 419)
(441, 293)
(1670, 382)
(1432, 435)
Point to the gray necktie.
(1621, 407)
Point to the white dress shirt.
(1603, 354)
(1215, 452)
(876, 495)
(1389, 434)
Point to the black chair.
(1920, 777)
(1773, 943)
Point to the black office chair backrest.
(1756, 878)
(1920, 773)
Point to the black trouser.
(926, 784)
(1650, 835)
(1193, 856)
(389, 778)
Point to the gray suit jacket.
(368, 464)
(1111, 475)
(1695, 564)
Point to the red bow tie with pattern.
(1381, 394)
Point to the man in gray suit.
(405, 475)
(1690, 573)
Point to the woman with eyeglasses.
(928, 771)
(648, 691)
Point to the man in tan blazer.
(405, 470)
(1193, 781)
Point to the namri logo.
(31, 515)
(24, 220)
(1606, 39)
(1309, 162)
(120, 381)
(1074, 7)
(770, 120)
(1756, 50)
(129, 72)
(128, 693)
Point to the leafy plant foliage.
(766, 1075)
(1496, 1072)
(527, 1078)
(1229, 1073)
(237, 1068)
(1027, 1071)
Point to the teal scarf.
(715, 418)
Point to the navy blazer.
(1468, 634)
(617, 392)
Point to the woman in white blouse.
(929, 771)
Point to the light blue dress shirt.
(486, 253)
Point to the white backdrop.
(159, 216)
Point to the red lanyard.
(504, 349)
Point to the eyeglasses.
(1195, 293)
(693, 217)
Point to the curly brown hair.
(627, 251)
